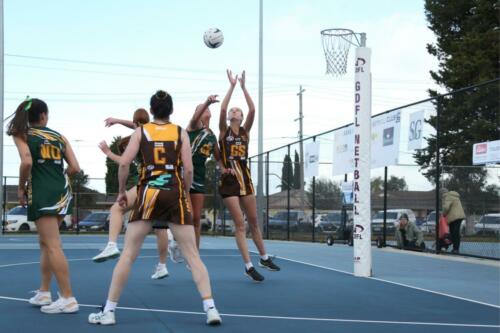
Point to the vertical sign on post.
(362, 159)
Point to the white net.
(336, 44)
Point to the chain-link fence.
(306, 192)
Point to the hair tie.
(161, 94)
(28, 101)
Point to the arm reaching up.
(251, 107)
(193, 123)
(225, 102)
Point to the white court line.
(140, 257)
(392, 282)
(355, 321)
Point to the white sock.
(44, 293)
(208, 303)
(162, 265)
(248, 265)
(264, 257)
(112, 244)
(110, 306)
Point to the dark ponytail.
(161, 104)
(29, 111)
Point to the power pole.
(301, 148)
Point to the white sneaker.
(62, 305)
(41, 298)
(110, 252)
(213, 317)
(160, 272)
(175, 252)
(102, 318)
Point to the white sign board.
(486, 152)
(347, 193)
(311, 160)
(385, 138)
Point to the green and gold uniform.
(161, 196)
(49, 190)
(203, 142)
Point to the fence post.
(77, 203)
(384, 237)
(314, 204)
(214, 202)
(438, 176)
(289, 177)
(4, 204)
(267, 195)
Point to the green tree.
(393, 184)
(111, 177)
(467, 42)
(287, 174)
(467, 49)
(328, 194)
(297, 178)
(85, 197)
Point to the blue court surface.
(314, 292)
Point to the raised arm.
(225, 102)
(24, 168)
(70, 157)
(128, 156)
(251, 107)
(107, 151)
(193, 123)
(108, 122)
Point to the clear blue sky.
(160, 42)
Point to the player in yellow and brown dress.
(166, 174)
(236, 183)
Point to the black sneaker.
(254, 275)
(269, 264)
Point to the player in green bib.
(45, 188)
(203, 145)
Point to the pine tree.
(297, 178)
(287, 173)
(467, 49)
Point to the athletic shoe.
(269, 264)
(62, 305)
(110, 252)
(175, 252)
(41, 298)
(102, 318)
(213, 317)
(160, 272)
(254, 275)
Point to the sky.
(94, 59)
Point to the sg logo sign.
(415, 130)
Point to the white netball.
(213, 38)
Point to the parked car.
(17, 220)
(205, 222)
(298, 220)
(332, 221)
(224, 224)
(488, 224)
(392, 220)
(95, 222)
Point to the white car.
(17, 220)
(488, 224)
(392, 220)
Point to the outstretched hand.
(232, 80)
(108, 122)
(242, 80)
(212, 99)
(104, 147)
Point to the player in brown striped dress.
(236, 183)
(166, 174)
